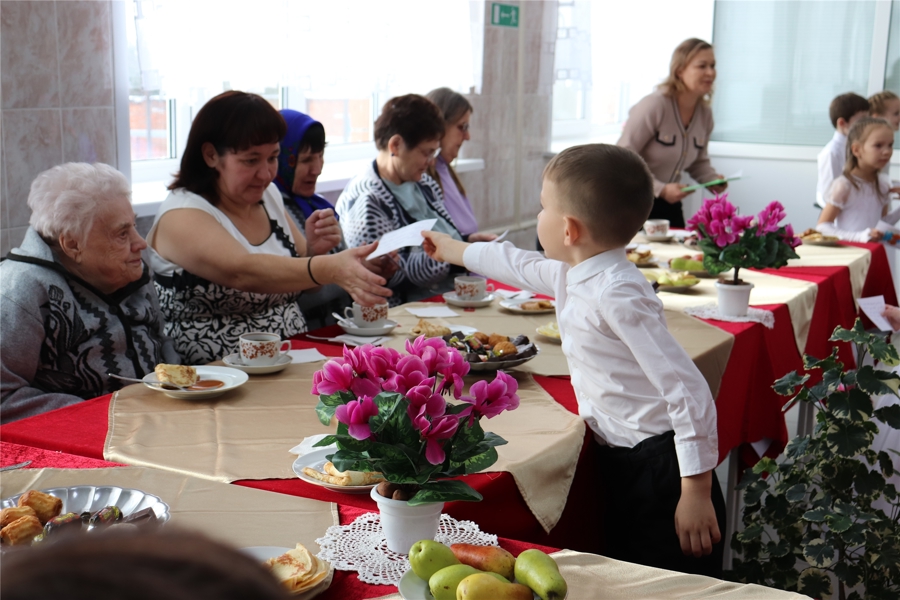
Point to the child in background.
(886, 105)
(650, 409)
(844, 111)
(859, 199)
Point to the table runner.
(709, 347)
(246, 434)
(857, 261)
(588, 574)
(232, 514)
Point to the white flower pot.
(734, 300)
(404, 525)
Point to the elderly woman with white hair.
(76, 300)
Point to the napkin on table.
(306, 446)
(431, 311)
(308, 355)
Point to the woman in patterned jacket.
(395, 191)
(227, 259)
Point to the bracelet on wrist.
(309, 270)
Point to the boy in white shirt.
(844, 111)
(650, 409)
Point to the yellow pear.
(486, 586)
(541, 573)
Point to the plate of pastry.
(642, 257)
(814, 238)
(298, 569)
(430, 329)
(529, 306)
(492, 352)
(673, 281)
(204, 381)
(315, 468)
(44, 513)
(550, 332)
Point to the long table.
(748, 411)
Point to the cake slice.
(182, 375)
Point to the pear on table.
(427, 557)
(485, 586)
(444, 583)
(486, 558)
(540, 572)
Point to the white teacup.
(261, 349)
(367, 316)
(472, 288)
(656, 227)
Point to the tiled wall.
(493, 123)
(56, 97)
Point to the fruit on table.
(541, 573)
(686, 264)
(677, 279)
(485, 558)
(443, 584)
(427, 557)
(485, 586)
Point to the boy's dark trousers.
(642, 486)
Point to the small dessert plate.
(234, 361)
(370, 331)
(231, 378)
(453, 299)
(660, 238)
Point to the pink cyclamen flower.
(334, 377)
(423, 400)
(410, 372)
(491, 399)
(789, 238)
(356, 414)
(769, 218)
(433, 432)
(358, 358)
(457, 367)
(434, 352)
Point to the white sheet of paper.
(872, 308)
(432, 311)
(411, 235)
(306, 356)
(501, 236)
(359, 340)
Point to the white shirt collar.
(594, 265)
(838, 136)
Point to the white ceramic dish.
(454, 300)
(232, 378)
(316, 460)
(660, 238)
(91, 498)
(514, 306)
(370, 331)
(549, 334)
(828, 243)
(264, 553)
(234, 361)
(463, 329)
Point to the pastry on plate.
(536, 305)
(21, 531)
(811, 235)
(8, 515)
(343, 478)
(639, 256)
(298, 570)
(182, 375)
(44, 505)
(428, 329)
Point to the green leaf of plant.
(876, 382)
(765, 465)
(796, 493)
(818, 553)
(838, 523)
(854, 405)
(755, 491)
(797, 447)
(847, 438)
(885, 462)
(816, 515)
(326, 441)
(787, 384)
(325, 412)
(889, 415)
(826, 364)
(814, 583)
(868, 482)
(475, 464)
(444, 491)
(750, 533)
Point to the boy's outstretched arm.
(695, 517)
(444, 248)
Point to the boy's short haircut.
(878, 102)
(846, 106)
(608, 188)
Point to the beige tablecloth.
(857, 260)
(233, 514)
(246, 434)
(590, 577)
(709, 347)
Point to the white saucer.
(370, 331)
(234, 361)
(452, 298)
(660, 238)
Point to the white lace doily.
(361, 547)
(711, 311)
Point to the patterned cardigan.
(369, 210)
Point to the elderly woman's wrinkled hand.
(364, 286)
(322, 232)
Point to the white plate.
(513, 306)
(90, 498)
(463, 329)
(660, 238)
(452, 299)
(232, 378)
(234, 361)
(828, 243)
(264, 553)
(370, 331)
(316, 460)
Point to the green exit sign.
(504, 15)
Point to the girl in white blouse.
(860, 198)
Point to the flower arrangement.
(732, 241)
(393, 418)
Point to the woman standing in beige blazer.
(670, 128)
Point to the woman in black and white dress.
(227, 258)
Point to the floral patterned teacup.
(261, 349)
(367, 316)
(657, 227)
(472, 288)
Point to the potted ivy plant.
(827, 513)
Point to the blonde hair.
(878, 102)
(859, 133)
(681, 58)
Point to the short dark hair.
(608, 188)
(413, 117)
(313, 139)
(845, 106)
(232, 121)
